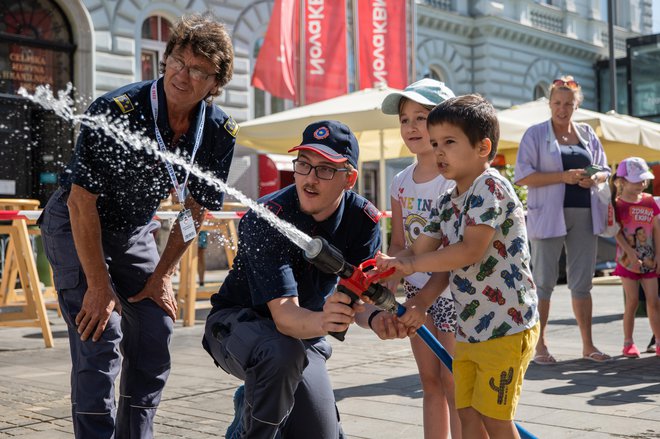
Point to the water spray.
(119, 129)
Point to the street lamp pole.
(610, 38)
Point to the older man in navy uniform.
(114, 291)
(270, 317)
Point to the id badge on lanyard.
(185, 218)
(187, 225)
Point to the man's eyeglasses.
(322, 172)
(177, 65)
(573, 85)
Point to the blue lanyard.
(180, 189)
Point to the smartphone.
(592, 169)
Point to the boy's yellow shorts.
(488, 375)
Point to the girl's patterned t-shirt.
(416, 201)
(636, 221)
(495, 296)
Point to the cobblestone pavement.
(377, 388)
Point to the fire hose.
(358, 282)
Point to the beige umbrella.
(622, 136)
(377, 133)
(360, 110)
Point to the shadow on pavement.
(407, 385)
(621, 381)
(56, 334)
(595, 320)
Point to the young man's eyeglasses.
(177, 65)
(321, 171)
(573, 85)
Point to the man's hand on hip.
(159, 289)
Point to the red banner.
(326, 74)
(382, 43)
(325, 53)
(274, 70)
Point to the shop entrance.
(36, 48)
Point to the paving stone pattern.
(377, 387)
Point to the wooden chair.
(189, 292)
(20, 262)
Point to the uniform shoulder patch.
(231, 126)
(372, 212)
(274, 207)
(124, 103)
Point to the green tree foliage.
(521, 191)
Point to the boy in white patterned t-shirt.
(480, 228)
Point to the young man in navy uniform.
(270, 317)
(114, 291)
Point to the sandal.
(544, 359)
(598, 357)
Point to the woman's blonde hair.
(567, 82)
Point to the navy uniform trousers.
(288, 393)
(142, 333)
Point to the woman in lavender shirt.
(559, 161)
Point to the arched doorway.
(36, 47)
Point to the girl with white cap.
(638, 242)
(413, 191)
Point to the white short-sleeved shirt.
(416, 201)
(496, 296)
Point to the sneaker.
(234, 429)
(652, 346)
(657, 350)
(630, 351)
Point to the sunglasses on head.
(573, 85)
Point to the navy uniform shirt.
(131, 183)
(268, 265)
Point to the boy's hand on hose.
(388, 326)
(415, 315)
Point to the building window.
(603, 77)
(435, 72)
(155, 34)
(541, 91)
(264, 103)
(620, 12)
(603, 10)
(36, 46)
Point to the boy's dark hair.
(473, 114)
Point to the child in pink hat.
(638, 242)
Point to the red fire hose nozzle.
(355, 281)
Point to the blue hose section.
(440, 351)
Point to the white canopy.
(622, 136)
(360, 110)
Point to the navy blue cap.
(332, 139)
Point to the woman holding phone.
(562, 162)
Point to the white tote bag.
(605, 197)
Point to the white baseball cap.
(426, 91)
